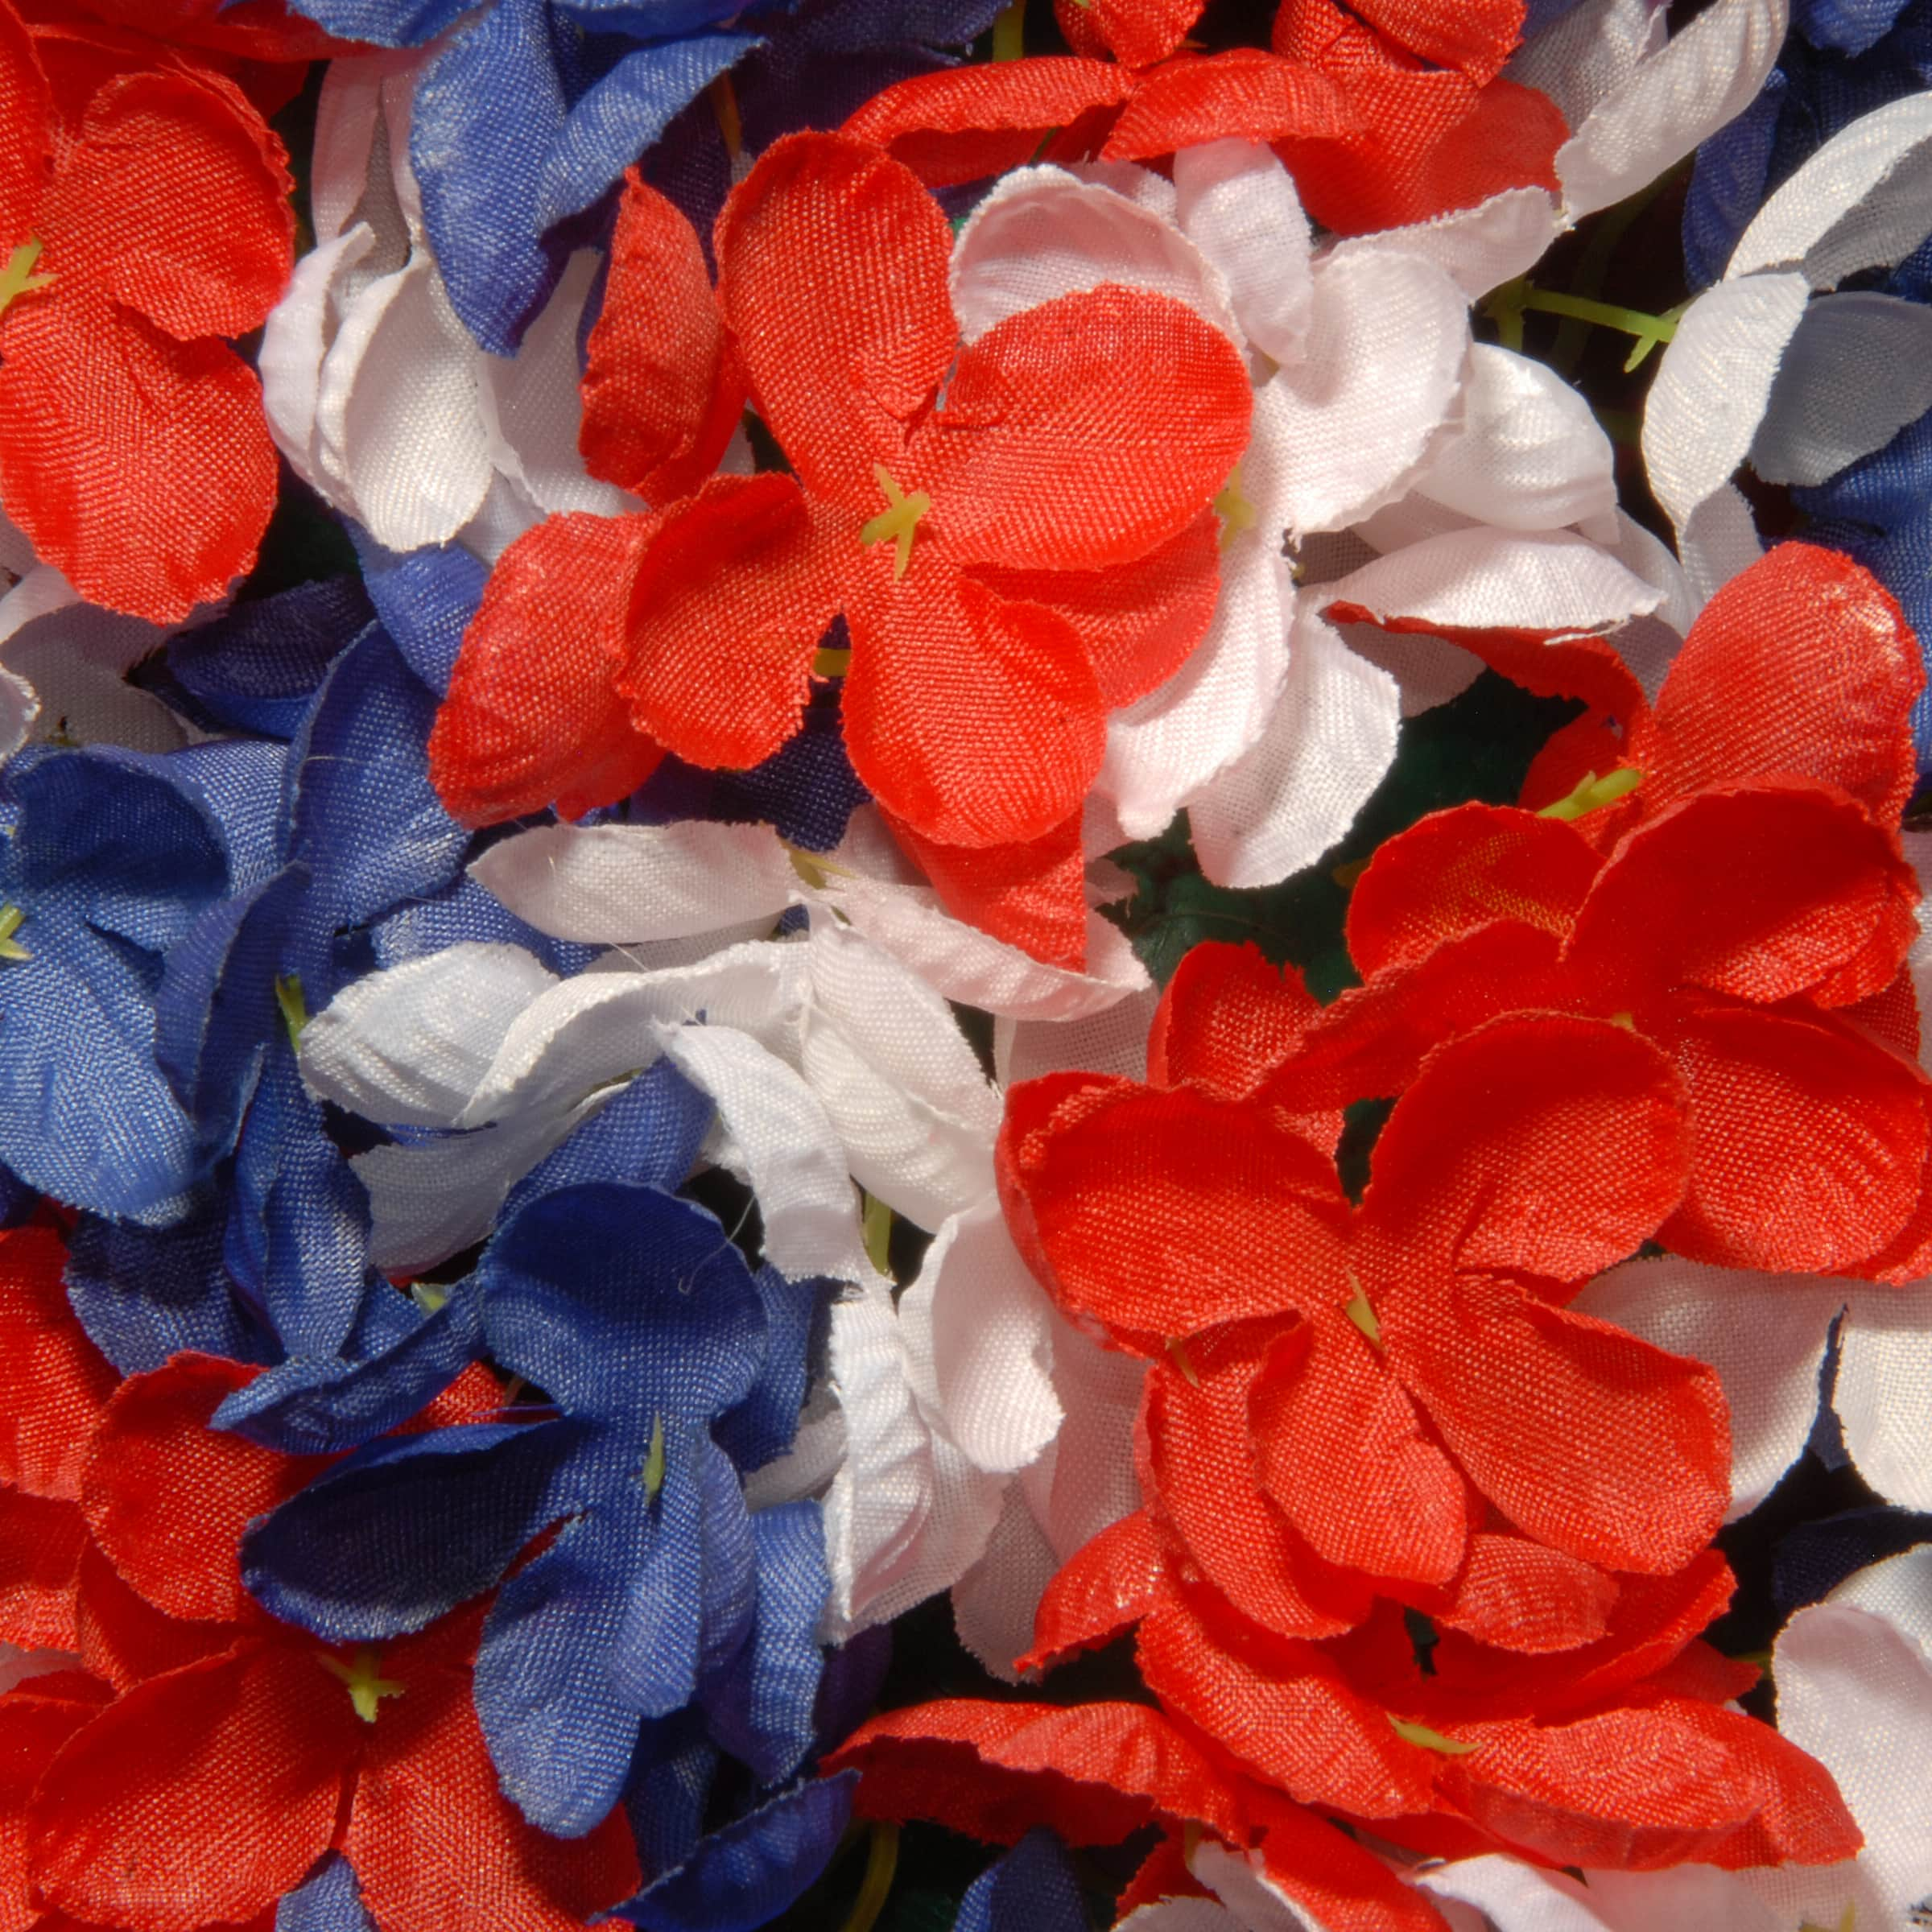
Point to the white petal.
(427, 1203)
(1165, 746)
(1479, 248)
(1899, 1590)
(1484, 579)
(1711, 386)
(1387, 340)
(977, 1313)
(1884, 1391)
(1588, 54)
(347, 112)
(1636, 549)
(1181, 1915)
(399, 412)
(1238, 1880)
(1329, 745)
(1764, 1334)
(791, 1153)
(294, 342)
(884, 1053)
(1237, 204)
(1720, 542)
(410, 1044)
(1825, 409)
(1863, 201)
(1528, 455)
(994, 1603)
(1114, 1041)
(1427, 670)
(608, 885)
(1517, 1897)
(19, 708)
(41, 592)
(1042, 233)
(1086, 1479)
(1700, 78)
(77, 658)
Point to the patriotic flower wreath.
(961, 965)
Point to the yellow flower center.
(17, 278)
(1234, 510)
(899, 521)
(363, 1679)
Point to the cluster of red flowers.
(1423, 1549)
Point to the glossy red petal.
(27, 130)
(1538, 1145)
(1042, 457)
(1138, 622)
(1284, 1711)
(198, 1797)
(1457, 870)
(53, 1382)
(1338, 1447)
(139, 466)
(1586, 1438)
(1341, 1884)
(33, 1727)
(1136, 32)
(1802, 1820)
(1519, 1595)
(123, 1640)
(1032, 894)
(833, 263)
(1162, 1873)
(254, 30)
(168, 1497)
(730, 596)
(662, 391)
(533, 716)
(1132, 1203)
(1474, 38)
(40, 1545)
(175, 201)
(1809, 1140)
(434, 1842)
(1228, 1020)
(1761, 892)
(1802, 664)
(1100, 1591)
(1243, 94)
(1197, 1458)
(965, 123)
(975, 721)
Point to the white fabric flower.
(376, 393)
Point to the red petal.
(1808, 1140)
(1227, 1020)
(1762, 892)
(1803, 1821)
(1032, 895)
(53, 1381)
(1339, 1449)
(1800, 664)
(1094, 1773)
(832, 265)
(27, 144)
(1520, 1596)
(1197, 1459)
(1102, 1589)
(434, 1842)
(976, 721)
(1342, 1884)
(1586, 1438)
(1162, 1873)
(1042, 457)
(1139, 622)
(40, 1545)
(1475, 39)
(1136, 32)
(1890, 1015)
(1132, 1204)
(168, 1497)
(33, 1727)
(139, 466)
(731, 596)
(533, 714)
(968, 122)
(1244, 94)
(257, 30)
(1538, 1145)
(662, 393)
(196, 1798)
(175, 201)
(123, 1640)
(1457, 870)
(1283, 1709)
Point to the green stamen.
(12, 918)
(1359, 1311)
(1010, 33)
(295, 1009)
(881, 1863)
(651, 1475)
(878, 1230)
(1592, 793)
(1177, 1349)
(18, 279)
(725, 111)
(428, 1296)
(1236, 514)
(899, 521)
(1508, 304)
(362, 1677)
(1429, 1741)
(832, 663)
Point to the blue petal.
(464, 913)
(658, 19)
(763, 1427)
(649, 1135)
(1846, 27)
(856, 25)
(329, 1900)
(744, 1876)
(763, 1706)
(322, 1407)
(1728, 183)
(1887, 488)
(561, 1737)
(855, 1673)
(1033, 1889)
(239, 780)
(671, 1776)
(623, 1302)
(406, 1528)
(385, 23)
(143, 1294)
(256, 668)
(426, 599)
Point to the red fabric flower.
(1391, 114)
(1012, 561)
(145, 204)
(207, 1790)
(1744, 908)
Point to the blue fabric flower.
(1032, 1889)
